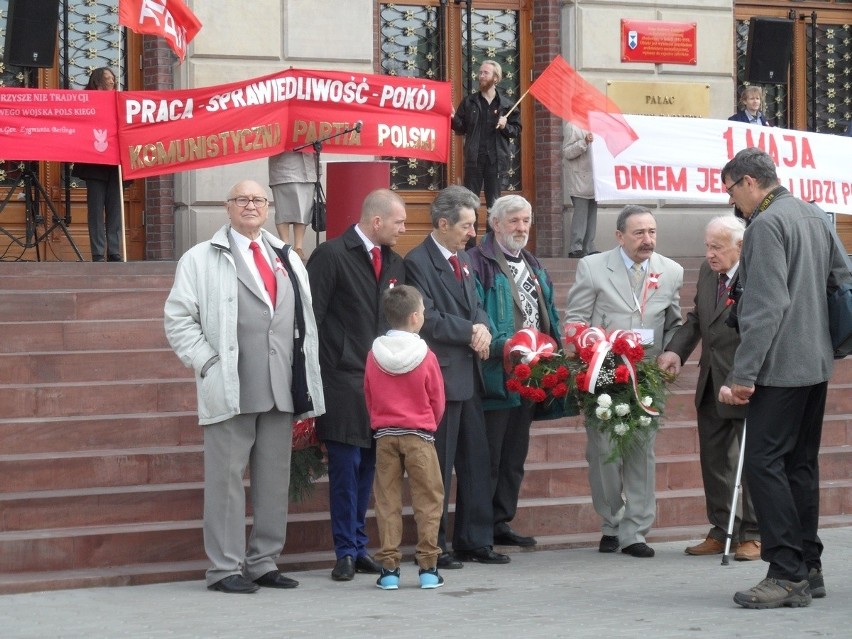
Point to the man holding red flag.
(169, 19)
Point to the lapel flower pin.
(654, 280)
(465, 270)
(391, 282)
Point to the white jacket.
(201, 322)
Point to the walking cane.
(737, 488)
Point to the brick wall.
(548, 134)
(158, 68)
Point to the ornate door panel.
(429, 39)
(818, 96)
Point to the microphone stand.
(319, 196)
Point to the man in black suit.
(348, 275)
(719, 425)
(456, 329)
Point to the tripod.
(34, 193)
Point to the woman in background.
(103, 190)
(751, 107)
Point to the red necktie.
(723, 287)
(454, 260)
(377, 262)
(265, 271)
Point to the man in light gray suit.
(628, 287)
(240, 315)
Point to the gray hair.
(629, 211)
(449, 202)
(734, 226)
(752, 162)
(507, 204)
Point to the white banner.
(682, 159)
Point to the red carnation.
(527, 392)
(637, 353)
(560, 390)
(562, 373)
(622, 374)
(513, 385)
(538, 395)
(549, 381)
(586, 353)
(582, 384)
(621, 346)
(522, 372)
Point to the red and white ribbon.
(530, 344)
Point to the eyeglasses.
(242, 201)
(730, 189)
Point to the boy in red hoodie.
(404, 390)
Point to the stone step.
(25, 435)
(86, 335)
(91, 366)
(83, 304)
(179, 541)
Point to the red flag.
(565, 93)
(169, 19)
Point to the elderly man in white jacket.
(240, 315)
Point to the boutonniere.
(654, 280)
(279, 266)
(465, 270)
(391, 282)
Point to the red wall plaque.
(657, 42)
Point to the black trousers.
(461, 443)
(483, 175)
(508, 432)
(783, 433)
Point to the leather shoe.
(609, 543)
(234, 585)
(368, 565)
(511, 538)
(640, 550)
(344, 569)
(447, 562)
(274, 579)
(748, 551)
(710, 546)
(576, 254)
(483, 555)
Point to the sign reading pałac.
(58, 125)
(682, 159)
(167, 131)
(658, 42)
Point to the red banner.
(169, 131)
(58, 125)
(169, 19)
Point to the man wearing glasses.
(240, 315)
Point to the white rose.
(604, 400)
(620, 429)
(647, 400)
(644, 421)
(622, 409)
(603, 413)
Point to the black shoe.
(483, 555)
(97, 258)
(576, 254)
(235, 585)
(447, 562)
(641, 550)
(344, 569)
(609, 543)
(114, 257)
(511, 538)
(368, 565)
(274, 579)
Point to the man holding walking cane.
(720, 426)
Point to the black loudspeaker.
(31, 33)
(770, 43)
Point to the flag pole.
(515, 106)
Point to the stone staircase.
(100, 451)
